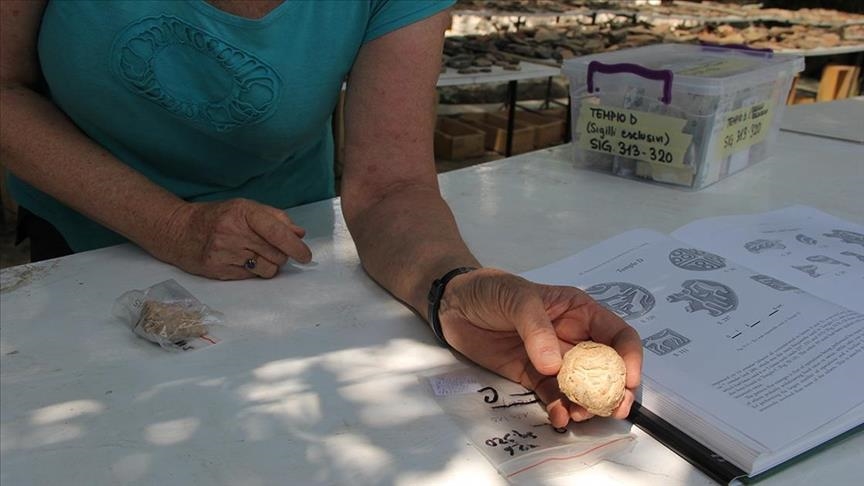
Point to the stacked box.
(548, 131)
(455, 140)
(680, 114)
(495, 129)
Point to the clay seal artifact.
(592, 376)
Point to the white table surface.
(823, 51)
(316, 380)
(528, 70)
(841, 119)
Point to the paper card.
(745, 127)
(719, 68)
(649, 137)
(509, 425)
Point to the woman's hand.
(520, 330)
(217, 239)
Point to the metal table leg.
(568, 121)
(511, 116)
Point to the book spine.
(710, 463)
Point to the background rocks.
(553, 30)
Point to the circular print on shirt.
(195, 75)
(627, 300)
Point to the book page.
(798, 246)
(771, 363)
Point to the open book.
(752, 328)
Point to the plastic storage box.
(681, 114)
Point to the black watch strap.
(434, 299)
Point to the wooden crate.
(558, 112)
(548, 131)
(455, 140)
(495, 129)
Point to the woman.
(186, 128)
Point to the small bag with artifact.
(167, 314)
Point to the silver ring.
(251, 263)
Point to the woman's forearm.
(408, 239)
(404, 231)
(40, 145)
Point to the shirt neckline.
(213, 11)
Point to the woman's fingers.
(629, 346)
(606, 327)
(280, 234)
(527, 313)
(623, 409)
(220, 237)
(240, 265)
(560, 409)
(256, 264)
(258, 247)
(558, 414)
(282, 216)
(546, 389)
(230, 272)
(264, 249)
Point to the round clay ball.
(592, 375)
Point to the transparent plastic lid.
(694, 68)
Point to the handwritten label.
(718, 68)
(745, 127)
(446, 385)
(633, 134)
(514, 442)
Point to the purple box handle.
(738, 47)
(664, 75)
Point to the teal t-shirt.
(205, 103)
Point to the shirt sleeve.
(389, 15)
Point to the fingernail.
(550, 360)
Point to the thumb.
(536, 330)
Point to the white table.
(824, 51)
(316, 380)
(527, 70)
(841, 119)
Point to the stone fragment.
(169, 321)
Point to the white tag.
(453, 384)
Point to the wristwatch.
(434, 299)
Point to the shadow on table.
(307, 407)
(318, 386)
(302, 409)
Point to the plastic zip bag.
(509, 425)
(168, 315)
